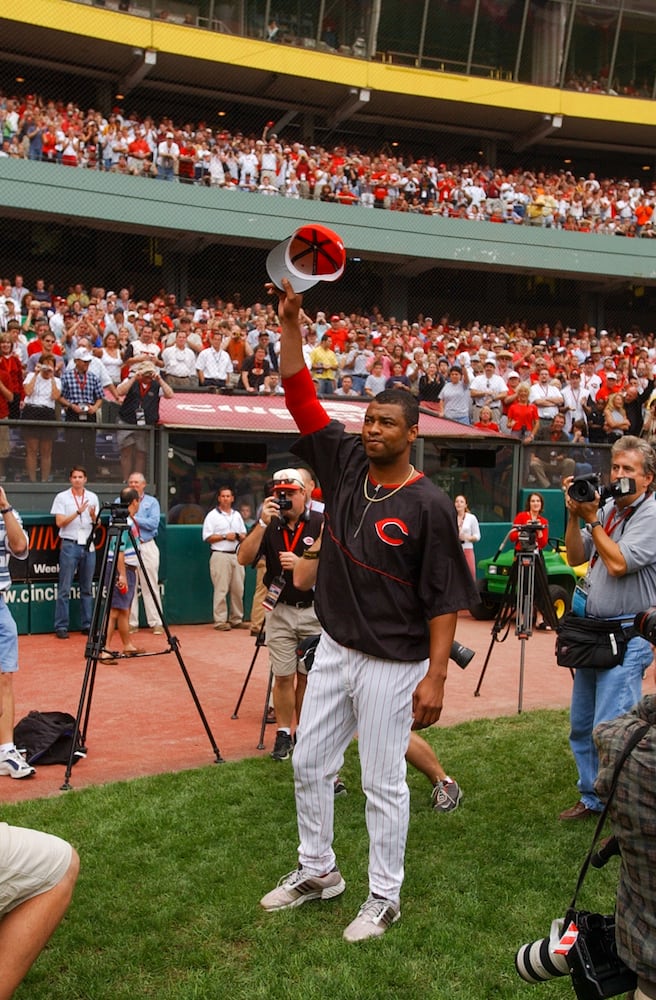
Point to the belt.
(224, 552)
(297, 604)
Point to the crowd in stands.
(583, 384)
(586, 83)
(61, 133)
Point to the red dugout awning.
(269, 415)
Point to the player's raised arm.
(291, 339)
(300, 392)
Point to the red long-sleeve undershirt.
(302, 402)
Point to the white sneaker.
(374, 917)
(14, 764)
(299, 886)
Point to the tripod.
(527, 580)
(98, 634)
(259, 642)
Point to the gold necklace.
(377, 499)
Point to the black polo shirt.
(280, 537)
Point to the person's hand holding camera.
(587, 511)
(270, 510)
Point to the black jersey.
(386, 567)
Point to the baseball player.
(446, 794)
(391, 580)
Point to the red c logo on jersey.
(397, 526)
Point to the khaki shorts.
(285, 627)
(31, 862)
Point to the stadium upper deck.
(555, 78)
(480, 79)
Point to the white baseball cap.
(288, 479)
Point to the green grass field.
(173, 867)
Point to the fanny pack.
(591, 642)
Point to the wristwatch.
(6, 510)
(594, 524)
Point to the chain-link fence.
(99, 280)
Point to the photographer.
(620, 543)
(632, 821)
(139, 394)
(532, 516)
(284, 531)
(42, 390)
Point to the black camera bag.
(47, 738)
(591, 642)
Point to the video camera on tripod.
(119, 512)
(526, 587)
(527, 536)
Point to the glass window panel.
(544, 43)
(399, 29)
(483, 475)
(591, 48)
(635, 64)
(448, 34)
(497, 37)
(200, 463)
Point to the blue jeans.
(74, 557)
(597, 696)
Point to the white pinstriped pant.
(351, 692)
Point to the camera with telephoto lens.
(583, 488)
(645, 624)
(538, 961)
(592, 961)
(284, 503)
(462, 655)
